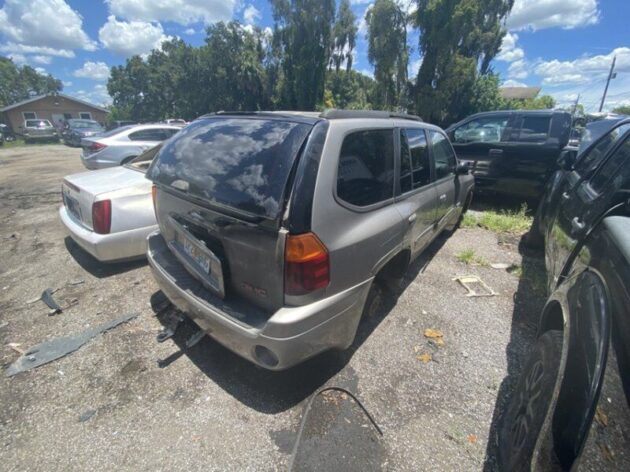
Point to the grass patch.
(505, 221)
(468, 257)
(18, 143)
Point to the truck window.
(593, 156)
(365, 174)
(610, 169)
(534, 129)
(481, 130)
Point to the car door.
(582, 207)
(531, 150)
(417, 199)
(446, 183)
(480, 143)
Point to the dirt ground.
(125, 402)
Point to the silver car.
(109, 212)
(38, 130)
(121, 145)
(279, 229)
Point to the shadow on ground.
(97, 268)
(272, 392)
(529, 300)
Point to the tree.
(344, 36)
(19, 83)
(388, 52)
(622, 110)
(486, 95)
(458, 40)
(351, 90)
(302, 34)
(537, 103)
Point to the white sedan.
(109, 212)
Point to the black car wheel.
(527, 409)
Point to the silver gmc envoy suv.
(276, 226)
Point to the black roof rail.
(334, 114)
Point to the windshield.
(243, 163)
(37, 123)
(84, 124)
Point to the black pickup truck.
(571, 405)
(512, 152)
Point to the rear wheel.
(530, 401)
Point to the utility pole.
(611, 75)
(577, 100)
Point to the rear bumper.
(107, 247)
(291, 334)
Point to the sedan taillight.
(306, 264)
(97, 146)
(102, 216)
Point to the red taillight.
(306, 264)
(102, 216)
(154, 197)
(97, 146)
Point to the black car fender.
(581, 308)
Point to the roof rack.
(334, 114)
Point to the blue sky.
(565, 46)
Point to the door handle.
(443, 196)
(495, 152)
(565, 195)
(412, 218)
(577, 224)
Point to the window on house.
(85, 115)
(29, 115)
(67, 116)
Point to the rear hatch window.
(239, 162)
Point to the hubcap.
(527, 400)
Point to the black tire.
(525, 414)
(375, 300)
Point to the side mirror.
(567, 159)
(462, 169)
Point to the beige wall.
(46, 107)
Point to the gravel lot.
(125, 402)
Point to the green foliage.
(458, 40)
(469, 257)
(302, 36)
(506, 221)
(388, 52)
(351, 90)
(485, 94)
(536, 103)
(622, 110)
(344, 37)
(19, 83)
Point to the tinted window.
(443, 155)
(593, 156)
(534, 129)
(481, 130)
(406, 183)
(37, 123)
(610, 169)
(366, 167)
(85, 116)
(243, 163)
(29, 115)
(155, 134)
(420, 166)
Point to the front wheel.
(530, 401)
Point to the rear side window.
(415, 168)
(610, 169)
(534, 129)
(443, 155)
(241, 163)
(154, 134)
(365, 175)
(593, 156)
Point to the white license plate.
(72, 205)
(196, 254)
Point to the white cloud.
(93, 70)
(541, 14)
(98, 95)
(127, 38)
(518, 69)
(413, 68)
(509, 52)
(41, 59)
(13, 48)
(41, 71)
(584, 69)
(67, 83)
(251, 15)
(190, 31)
(49, 22)
(184, 12)
(513, 83)
(368, 72)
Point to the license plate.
(72, 205)
(196, 254)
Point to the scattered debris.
(475, 286)
(425, 358)
(472, 438)
(48, 299)
(173, 320)
(500, 265)
(606, 452)
(86, 415)
(601, 417)
(435, 336)
(55, 348)
(76, 282)
(16, 347)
